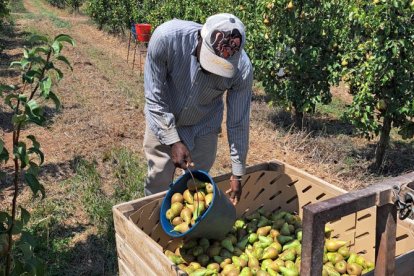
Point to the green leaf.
(65, 60)
(15, 63)
(4, 154)
(5, 220)
(20, 152)
(9, 98)
(55, 99)
(34, 141)
(34, 111)
(28, 238)
(39, 153)
(31, 75)
(45, 86)
(22, 98)
(57, 47)
(44, 50)
(4, 88)
(19, 119)
(58, 72)
(34, 169)
(24, 215)
(65, 38)
(17, 227)
(34, 185)
(27, 251)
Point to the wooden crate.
(274, 185)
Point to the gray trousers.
(160, 166)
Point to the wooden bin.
(274, 185)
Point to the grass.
(59, 23)
(65, 245)
(17, 6)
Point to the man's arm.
(158, 113)
(238, 116)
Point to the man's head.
(223, 38)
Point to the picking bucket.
(214, 223)
(143, 32)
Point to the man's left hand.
(235, 190)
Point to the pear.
(263, 231)
(177, 197)
(251, 227)
(225, 253)
(227, 268)
(253, 237)
(254, 215)
(169, 214)
(195, 184)
(262, 273)
(328, 232)
(246, 271)
(366, 270)
(175, 259)
(225, 262)
(274, 233)
(266, 241)
(341, 267)
(369, 264)
(253, 262)
(239, 223)
(276, 245)
(213, 251)
(333, 245)
(285, 231)
(284, 239)
(238, 262)
(209, 188)
(199, 272)
(203, 259)
(344, 251)
(354, 269)
(188, 197)
(288, 255)
(291, 244)
(189, 244)
(208, 199)
(270, 253)
(361, 261)
(218, 259)
(227, 243)
(214, 266)
(199, 196)
(334, 257)
(299, 235)
(243, 242)
(266, 263)
(186, 215)
(190, 206)
(278, 215)
(176, 208)
(352, 258)
(277, 224)
(272, 272)
(204, 243)
(188, 257)
(331, 271)
(232, 238)
(289, 271)
(197, 251)
(194, 265)
(258, 252)
(290, 264)
(182, 228)
(237, 251)
(241, 233)
(263, 221)
(177, 220)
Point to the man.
(188, 68)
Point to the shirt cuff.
(238, 169)
(170, 136)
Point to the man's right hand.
(180, 155)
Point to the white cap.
(223, 40)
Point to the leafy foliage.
(26, 100)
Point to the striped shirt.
(184, 102)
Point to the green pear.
(239, 224)
(227, 268)
(263, 221)
(333, 245)
(237, 251)
(228, 244)
(289, 271)
(266, 263)
(278, 215)
(277, 224)
(194, 265)
(239, 262)
(214, 266)
(204, 243)
(251, 227)
(341, 267)
(288, 255)
(209, 188)
(354, 269)
(328, 232)
(232, 238)
(225, 253)
(208, 199)
(253, 237)
(299, 235)
(253, 262)
(169, 214)
(266, 241)
(285, 231)
(344, 251)
(334, 257)
(199, 209)
(177, 197)
(176, 208)
(176, 259)
(352, 258)
(246, 271)
(218, 259)
(361, 261)
(290, 264)
(182, 228)
(254, 215)
(213, 251)
(243, 242)
(270, 253)
(188, 197)
(189, 244)
(284, 239)
(291, 244)
(276, 245)
(331, 271)
(225, 262)
(262, 273)
(198, 196)
(203, 259)
(272, 272)
(264, 230)
(274, 233)
(198, 250)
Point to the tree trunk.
(383, 143)
(298, 119)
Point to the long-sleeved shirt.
(183, 101)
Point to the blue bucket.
(214, 223)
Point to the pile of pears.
(263, 244)
(187, 207)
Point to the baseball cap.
(223, 40)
